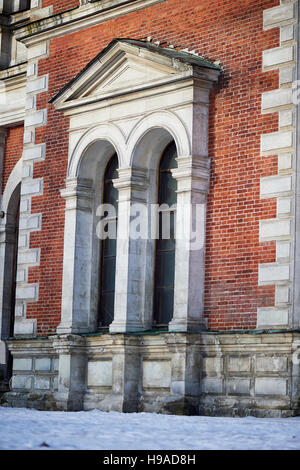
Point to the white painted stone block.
(238, 364)
(156, 374)
(22, 382)
(42, 383)
(271, 186)
(27, 170)
(28, 256)
(37, 85)
(24, 327)
(26, 293)
(211, 385)
(238, 386)
(23, 241)
(287, 33)
(274, 16)
(285, 161)
(271, 364)
(21, 275)
(37, 118)
(29, 136)
(22, 364)
(32, 69)
(272, 58)
(30, 102)
(24, 205)
(35, 3)
(55, 383)
(37, 50)
(274, 229)
(284, 206)
(100, 374)
(272, 317)
(283, 250)
(34, 186)
(212, 365)
(276, 98)
(270, 386)
(276, 141)
(287, 75)
(282, 295)
(31, 222)
(36, 152)
(43, 363)
(271, 272)
(286, 118)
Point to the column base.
(120, 327)
(181, 326)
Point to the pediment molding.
(128, 66)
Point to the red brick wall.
(226, 30)
(61, 5)
(13, 152)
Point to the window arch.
(108, 250)
(165, 245)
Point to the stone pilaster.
(76, 289)
(132, 309)
(192, 177)
(72, 368)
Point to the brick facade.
(233, 249)
(248, 277)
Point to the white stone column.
(78, 243)
(192, 177)
(132, 308)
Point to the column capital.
(78, 193)
(132, 184)
(192, 174)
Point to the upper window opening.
(108, 250)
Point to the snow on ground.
(28, 429)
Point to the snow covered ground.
(29, 429)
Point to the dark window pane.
(108, 248)
(165, 246)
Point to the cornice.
(79, 18)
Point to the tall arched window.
(165, 247)
(108, 250)
(10, 275)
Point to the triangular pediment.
(126, 66)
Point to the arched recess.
(138, 188)
(82, 246)
(10, 205)
(110, 136)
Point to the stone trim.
(30, 188)
(281, 186)
(84, 17)
(240, 374)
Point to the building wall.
(217, 32)
(249, 254)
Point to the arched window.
(108, 250)
(10, 274)
(165, 245)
